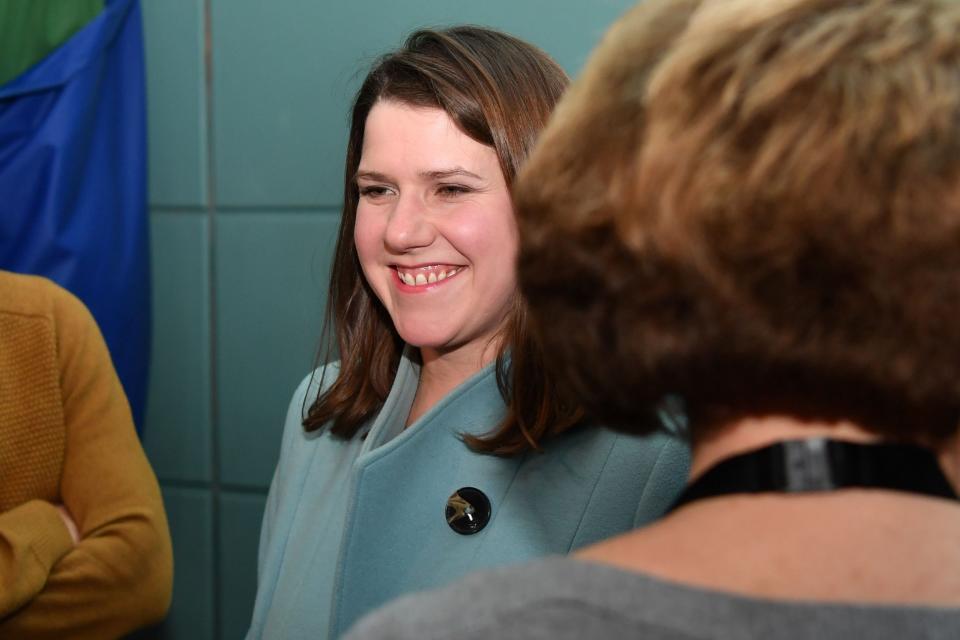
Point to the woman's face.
(435, 231)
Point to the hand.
(68, 521)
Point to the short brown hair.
(499, 90)
(756, 205)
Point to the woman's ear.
(948, 454)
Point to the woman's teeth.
(422, 278)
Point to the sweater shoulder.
(28, 295)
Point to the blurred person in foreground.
(755, 205)
(84, 545)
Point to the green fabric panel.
(30, 29)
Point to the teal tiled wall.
(271, 278)
(176, 105)
(191, 525)
(247, 110)
(180, 394)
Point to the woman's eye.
(452, 190)
(373, 192)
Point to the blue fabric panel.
(73, 181)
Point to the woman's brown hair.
(500, 91)
(761, 214)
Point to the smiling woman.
(388, 483)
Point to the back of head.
(757, 205)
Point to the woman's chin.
(442, 340)
(428, 340)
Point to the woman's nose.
(408, 226)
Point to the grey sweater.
(561, 598)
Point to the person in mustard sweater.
(84, 544)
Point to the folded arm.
(119, 575)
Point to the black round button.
(468, 511)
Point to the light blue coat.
(351, 524)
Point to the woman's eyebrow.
(440, 174)
(433, 174)
(376, 176)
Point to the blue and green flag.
(73, 180)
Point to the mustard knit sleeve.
(119, 577)
(32, 539)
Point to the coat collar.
(390, 421)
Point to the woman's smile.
(419, 278)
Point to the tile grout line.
(211, 206)
(319, 209)
(203, 485)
